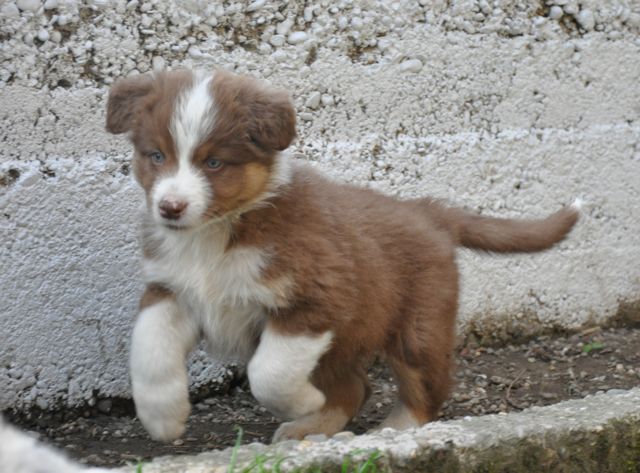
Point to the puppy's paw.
(294, 430)
(164, 429)
(325, 422)
(164, 416)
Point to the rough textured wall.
(511, 107)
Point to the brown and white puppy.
(305, 279)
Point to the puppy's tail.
(502, 235)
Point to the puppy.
(20, 452)
(305, 279)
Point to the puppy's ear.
(273, 119)
(124, 98)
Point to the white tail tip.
(577, 204)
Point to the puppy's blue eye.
(156, 157)
(213, 164)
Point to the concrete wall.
(510, 107)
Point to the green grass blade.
(234, 452)
(370, 465)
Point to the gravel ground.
(544, 371)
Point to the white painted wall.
(501, 105)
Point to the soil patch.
(543, 371)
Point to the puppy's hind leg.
(162, 338)
(279, 372)
(289, 375)
(414, 407)
(421, 357)
(346, 389)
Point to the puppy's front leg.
(162, 338)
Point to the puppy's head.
(205, 143)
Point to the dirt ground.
(543, 371)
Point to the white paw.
(159, 346)
(162, 414)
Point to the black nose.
(172, 209)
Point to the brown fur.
(253, 123)
(381, 274)
(153, 294)
(500, 235)
(378, 272)
(253, 119)
(366, 267)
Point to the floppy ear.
(273, 119)
(124, 97)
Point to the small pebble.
(586, 19)
(10, 10)
(313, 101)
(158, 64)
(195, 52)
(279, 56)
(343, 436)
(29, 5)
(105, 405)
(92, 459)
(42, 403)
(306, 116)
(146, 21)
(277, 40)
(43, 35)
(411, 65)
(129, 457)
(498, 380)
(555, 12)
(178, 442)
(327, 100)
(254, 6)
(461, 397)
(284, 27)
(571, 8)
(297, 37)
(308, 14)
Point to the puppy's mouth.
(173, 226)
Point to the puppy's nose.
(172, 209)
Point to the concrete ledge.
(600, 433)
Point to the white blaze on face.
(192, 121)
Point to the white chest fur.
(218, 287)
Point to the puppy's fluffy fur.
(21, 453)
(304, 279)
